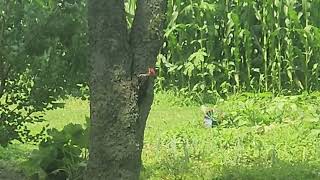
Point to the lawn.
(258, 137)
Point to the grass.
(259, 137)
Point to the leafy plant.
(234, 46)
(42, 58)
(61, 155)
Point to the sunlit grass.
(177, 146)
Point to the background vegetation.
(259, 51)
(235, 46)
(42, 57)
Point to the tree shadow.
(281, 170)
(9, 172)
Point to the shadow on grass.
(10, 159)
(10, 172)
(281, 170)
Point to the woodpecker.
(151, 73)
(143, 84)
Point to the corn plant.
(231, 45)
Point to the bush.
(61, 155)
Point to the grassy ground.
(259, 137)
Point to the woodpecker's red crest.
(151, 72)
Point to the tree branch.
(146, 39)
(147, 32)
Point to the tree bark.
(120, 100)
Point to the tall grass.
(217, 46)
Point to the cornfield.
(220, 46)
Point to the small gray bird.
(209, 119)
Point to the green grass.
(259, 137)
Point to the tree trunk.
(120, 99)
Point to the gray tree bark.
(120, 100)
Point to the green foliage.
(249, 109)
(130, 7)
(234, 46)
(61, 155)
(42, 56)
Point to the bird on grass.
(209, 119)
